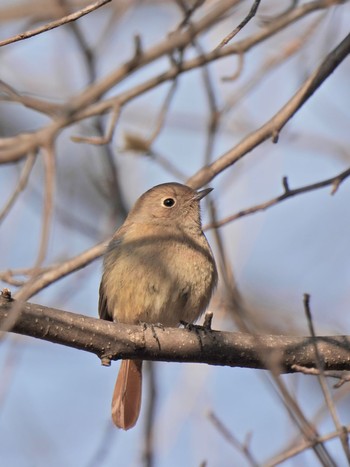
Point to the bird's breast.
(163, 280)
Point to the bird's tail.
(126, 400)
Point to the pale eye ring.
(168, 202)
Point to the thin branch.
(167, 164)
(233, 299)
(268, 19)
(54, 24)
(323, 383)
(100, 456)
(293, 46)
(303, 446)
(242, 447)
(84, 105)
(272, 128)
(112, 185)
(341, 375)
(307, 429)
(44, 279)
(10, 94)
(8, 370)
(177, 41)
(21, 185)
(241, 25)
(103, 138)
(288, 193)
(236, 49)
(149, 437)
(50, 171)
(188, 10)
(163, 112)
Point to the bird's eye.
(168, 202)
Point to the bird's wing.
(102, 304)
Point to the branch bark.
(114, 341)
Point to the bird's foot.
(206, 326)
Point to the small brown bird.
(158, 268)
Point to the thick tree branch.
(115, 341)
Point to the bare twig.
(40, 105)
(8, 370)
(242, 447)
(303, 446)
(163, 112)
(177, 41)
(188, 10)
(343, 435)
(149, 447)
(288, 193)
(104, 447)
(21, 185)
(238, 48)
(105, 138)
(272, 128)
(104, 135)
(344, 377)
(235, 306)
(50, 169)
(54, 24)
(293, 46)
(84, 105)
(241, 25)
(59, 271)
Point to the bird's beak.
(200, 194)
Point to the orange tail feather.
(126, 400)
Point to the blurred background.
(83, 135)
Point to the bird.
(158, 269)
